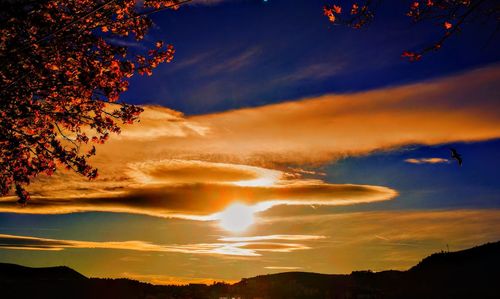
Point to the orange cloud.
(203, 201)
(319, 129)
(182, 171)
(382, 240)
(227, 248)
(426, 160)
(170, 165)
(272, 237)
(331, 126)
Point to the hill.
(16, 272)
(471, 273)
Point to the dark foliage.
(448, 15)
(61, 79)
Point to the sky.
(276, 141)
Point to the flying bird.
(455, 155)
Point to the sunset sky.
(276, 141)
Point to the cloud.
(125, 43)
(249, 248)
(332, 126)
(323, 128)
(427, 161)
(316, 130)
(170, 165)
(200, 201)
(382, 240)
(272, 237)
(317, 71)
(160, 122)
(300, 171)
(212, 63)
(181, 171)
(233, 63)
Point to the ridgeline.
(471, 273)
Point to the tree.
(61, 77)
(450, 15)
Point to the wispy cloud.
(427, 160)
(212, 63)
(160, 122)
(335, 125)
(381, 240)
(170, 165)
(234, 62)
(311, 72)
(272, 237)
(199, 201)
(377, 240)
(230, 248)
(192, 172)
(126, 43)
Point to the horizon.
(214, 282)
(277, 141)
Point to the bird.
(455, 155)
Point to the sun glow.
(236, 218)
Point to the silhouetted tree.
(61, 78)
(450, 15)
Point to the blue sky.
(250, 53)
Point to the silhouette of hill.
(471, 273)
(17, 272)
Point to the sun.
(236, 218)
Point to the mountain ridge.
(470, 273)
(14, 271)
